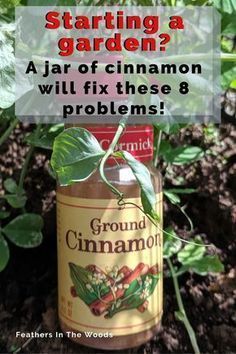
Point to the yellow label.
(110, 266)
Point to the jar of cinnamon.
(110, 257)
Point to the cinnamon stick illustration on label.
(110, 291)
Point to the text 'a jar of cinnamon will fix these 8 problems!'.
(110, 257)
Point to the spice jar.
(110, 256)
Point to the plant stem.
(228, 57)
(5, 17)
(25, 167)
(157, 147)
(181, 208)
(8, 131)
(24, 345)
(110, 150)
(184, 318)
(27, 160)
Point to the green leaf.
(80, 278)
(183, 155)
(46, 138)
(233, 84)
(25, 230)
(15, 200)
(51, 172)
(171, 245)
(74, 145)
(7, 62)
(228, 24)
(227, 45)
(132, 298)
(4, 253)
(77, 172)
(207, 264)
(172, 194)
(4, 214)
(191, 252)
(173, 198)
(10, 185)
(228, 6)
(143, 178)
(5, 5)
(165, 146)
(228, 74)
(76, 155)
(181, 190)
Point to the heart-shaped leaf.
(76, 154)
(15, 200)
(4, 253)
(25, 230)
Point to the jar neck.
(136, 139)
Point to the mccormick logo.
(140, 145)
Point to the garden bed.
(28, 286)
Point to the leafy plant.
(23, 231)
(15, 197)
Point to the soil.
(28, 285)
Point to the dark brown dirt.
(28, 284)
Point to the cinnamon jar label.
(110, 266)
